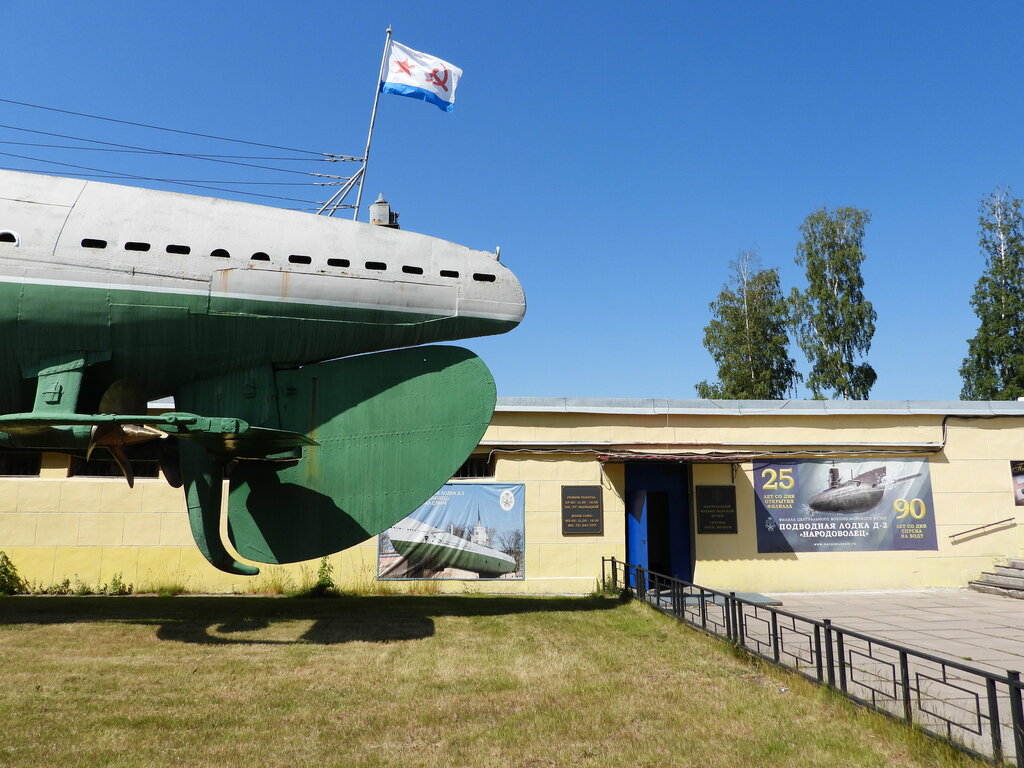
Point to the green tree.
(832, 320)
(747, 336)
(994, 366)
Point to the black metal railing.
(976, 710)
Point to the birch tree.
(994, 366)
(833, 321)
(747, 336)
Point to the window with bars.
(476, 466)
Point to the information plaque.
(582, 510)
(716, 509)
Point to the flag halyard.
(420, 76)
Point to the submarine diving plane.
(291, 343)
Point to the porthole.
(449, 273)
(220, 253)
(181, 250)
(136, 246)
(337, 262)
(92, 243)
(376, 265)
(259, 256)
(297, 259)
(483, 277)
(8, 236)
(412, 270)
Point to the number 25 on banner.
(915, 508)
(779, 481)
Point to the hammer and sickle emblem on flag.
(441, 81)
(418, 75)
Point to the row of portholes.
(294, 258)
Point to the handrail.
(983, 527)
(978, 711)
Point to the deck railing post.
(775, 637)
(829, 658)
(727, 615)
(817, 653)
(1016, 717)
(738, 607)
(734, 613)
(841, 648)
(735, 618)
(994, 726)
(905, 685)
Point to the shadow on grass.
(225, 620)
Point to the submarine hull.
(846, 500)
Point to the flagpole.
(373, 119)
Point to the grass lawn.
(408, 681)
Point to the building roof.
(655, 406)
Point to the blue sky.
(620, 154)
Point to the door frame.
(673, 478)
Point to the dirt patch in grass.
(408, 681)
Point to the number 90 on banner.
(914, 508)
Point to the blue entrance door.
(658, 529)
(636, 532)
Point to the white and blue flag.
(424, 77)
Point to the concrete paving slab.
(852, 622)
(953, 634)
(957, 622)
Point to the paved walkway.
(986, 630)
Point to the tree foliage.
(513, 544)
(11, 582)
(832, 320)
(747, 336)
(994, 366)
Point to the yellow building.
(753, 496)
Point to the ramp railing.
(976, 710)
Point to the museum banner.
(464, 531)
(843, 505)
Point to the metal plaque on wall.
(582, 510)
(716, 509)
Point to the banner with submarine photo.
(464, 531)
(844, 505)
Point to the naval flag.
(424, 77)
